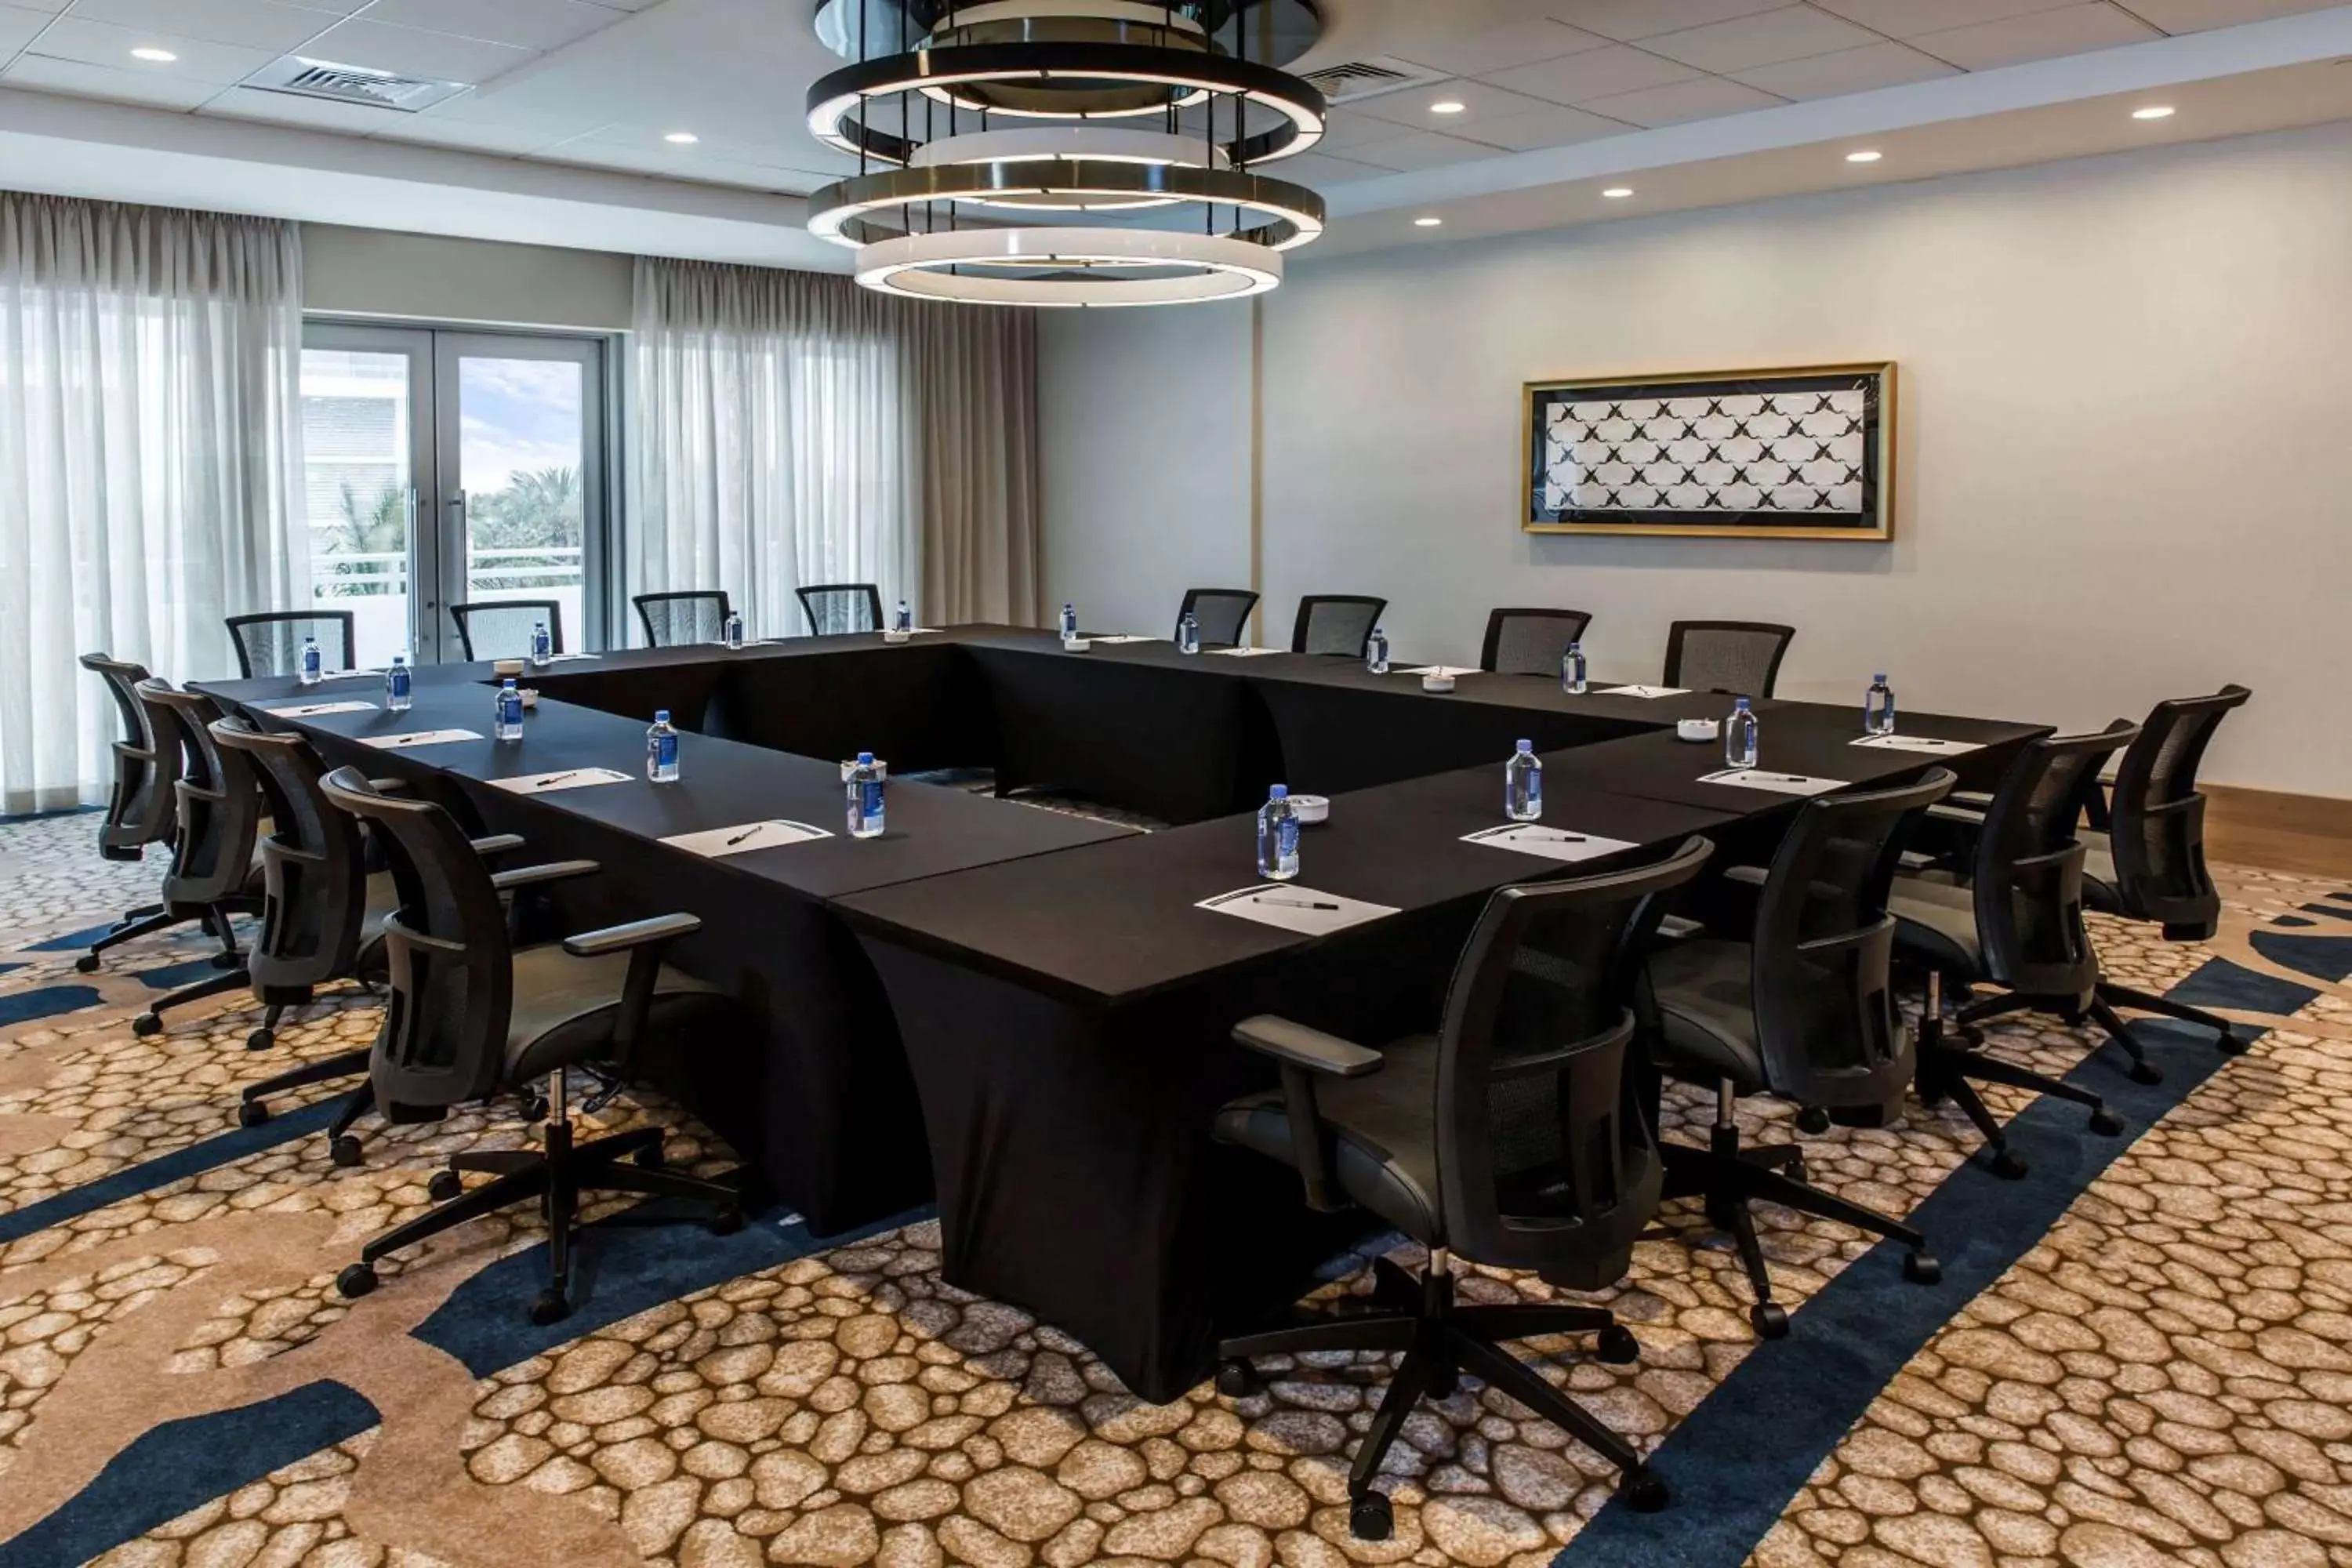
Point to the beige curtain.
(791, 428)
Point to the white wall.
(428, 277)
(2127, 406)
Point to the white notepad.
(571, 657)
(352, 674)
(415, 738)
(1551, 843)
(1646, 691)
(1294, 908)
(1919, 743)
(1455, 671)
(716, 842)
(1124, 639)
(562, 778)
(1244, 652)
(1777, 783)
(318, 709)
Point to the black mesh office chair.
(2014, 920)
(2152, 865)
(1804, 1010)
(836, 607)
(212, 874)
(138, 807)
(1516, 1137)
(1739, 657)
(675, 620)
(1531, 642)
(501, 628)
(271, 643)
(471, 1014)
(1221, 614)
(1335, 624)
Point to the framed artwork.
(1753, 454)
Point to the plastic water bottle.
(1069, 622)
(865, 782)
(1376, 652)
(906, 617)
(1188, 634)
(398, 685)
(733, 631)
(1740, 737)
(509, 724)
(310, 670)
(1523, 785)
(1571, 671)
(661, 749)
(543, 647)
(1277, 837)
(1878, 708)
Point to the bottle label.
(869, 801)
(666, 752)
(1285, 839)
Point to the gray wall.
(428, 278)
(2125, 393)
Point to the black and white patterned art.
(1756, 452)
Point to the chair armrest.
(1967, 816)
(1296, 1045)
(389, 787)
(1746, 875)
(532, 876)
(498, 844)
(635, 934)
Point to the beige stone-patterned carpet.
(2152, 1367)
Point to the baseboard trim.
(2281, 832)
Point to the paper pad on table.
(1125, 638)
(1920, 743)
(1643, 691)
(571, 657)
(1777, 783)
(745, 837)
(352, 674)
(1455, 670)
(418, 738)
(1294, 908)
(563, 778)
(1551, 843)
(318, 709)
(1244, 652)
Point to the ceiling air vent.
(352, 84)
(1353, 79)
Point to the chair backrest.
(1335, 624)
(675, 620)
(2157, 828)
(501, 628)
(1529, 642)
(313, 861)
(140, 810)
(447, 955)
(1545, 1157)
(833, 607)
(271, 643)
(2028, 875)
(1740, 658)
(1824, 944)
(1219, 613)
(212, 840)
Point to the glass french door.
(451, 467)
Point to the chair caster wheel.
(356, 1281)
(227, 960)
(345, 1151)
(253, 1114)
(2107, 1123)
(1770, 1320)
(86, 964)
(1370, 1518)
(1643, 1492)
(1618, 1346)
(727, 1221)
(444, 1185)
(535, 1108)
(146, 1024)
(1973, 1036)
(261, 1040)
(1443, 1383)
(549, 1307)
(1814, 1121)
(2006, 1166)
(650, 1158)
(1922, 1270)
(2145, 1072)
(2232, 1046)
(1238, 1380)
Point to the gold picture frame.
(1647, 484)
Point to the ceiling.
(1552, 93)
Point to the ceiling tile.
(18, 27)
(1595, 73)
(2041, 36)
(292, 108)
(1478, 100)
(1848, 70)
(43, 74)
(1767, 37)
(1708, 98)
(527, 24)
(411, 51)
(2197, 16)
(1551, 125)
(468, 136)
(1319, 169)
(1492, 49)
(71, 38)
(1350, 126)
(254, 23)
(1905, 18)
(1625, 20)
(1411, 150)
(46, 8)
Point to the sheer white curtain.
(150, 462)
(787, 428)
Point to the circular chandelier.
(1068, 152)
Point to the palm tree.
(379, 528)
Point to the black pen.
(1296, 904)
(751, 832)
(554, 779)
(1554, 834)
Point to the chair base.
(1731, 1178)
(134, 924)
(1951, 1072)
(1440, 1340)
(2230, 1042)
(554, 1177)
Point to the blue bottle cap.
(1279, 792)
(661, 715)
(510, 683)
(1741, 705)
(864, 757)
(1527, 745)
(399, 658)
(1880, 677)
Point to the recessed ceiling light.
(2153, 111)
(1864, 156)
(149, 52)
(1427, 222)
(682, 138)
(1618, 192)
(1448, 105)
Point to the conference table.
(1025, 1012)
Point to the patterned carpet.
(2141, 1355)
